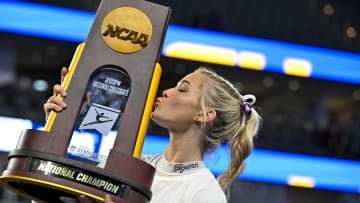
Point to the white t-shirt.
(183, 183)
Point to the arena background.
(311, 114)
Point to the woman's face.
(179, 106)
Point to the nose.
(165, 93)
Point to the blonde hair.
(236, 123)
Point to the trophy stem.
(66, 82)
(147, 111)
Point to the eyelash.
(182, 90)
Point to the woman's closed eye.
(182, 90)
(183, 86)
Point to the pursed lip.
(157, 102)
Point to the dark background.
(301, 115)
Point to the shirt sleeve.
(151, 159)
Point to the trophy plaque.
(116, 70)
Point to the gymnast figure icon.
(99, 119)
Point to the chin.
(154, 117)
(157, 119)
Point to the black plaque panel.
(77, 175)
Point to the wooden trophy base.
(45, 176)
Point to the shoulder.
(151, 159)
(209, 190)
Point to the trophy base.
(43, 191)
(47, 177)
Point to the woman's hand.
(54, 103)
(85, 199)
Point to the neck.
(184, 147)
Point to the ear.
(210, 116)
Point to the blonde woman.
(201, 112)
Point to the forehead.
(195, 78)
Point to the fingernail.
(82, 196)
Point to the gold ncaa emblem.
(126, 29)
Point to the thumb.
(64, 71)
(107, 199)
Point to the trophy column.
(117, 67)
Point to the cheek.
(184, 107)
(177, 111)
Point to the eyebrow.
(184, 81)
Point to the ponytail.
(236, 123)
(241, 146)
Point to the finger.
(59, 90)
(87, 97)
(52, 107)
(56, 101)
(64, 71)
(107, 198)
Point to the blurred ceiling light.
(40, 85)
(351, 32)
(12, 128)
(294, 85)
(356, 94)
(24, 83)
(251, 60)
(328, 9)
(297, 67)
(300, 181)
(201, 52)
(268, 81)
